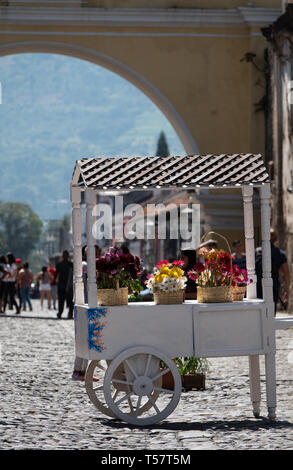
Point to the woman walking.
(3, 274)
(44, 277)
(52, 271)
(10, 282)
(25, 280)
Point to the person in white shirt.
(3, 274)
(10, 283)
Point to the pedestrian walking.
(239, 255)
(10, 283)
(279, 266)
(25, 279)
(17, 286)
(64, 270)
(3, 273)
(44, 278)
(52, 271)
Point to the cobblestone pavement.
(42, 408)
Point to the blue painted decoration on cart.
(96, 324)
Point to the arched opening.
(25, 190)
(119, 68)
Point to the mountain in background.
(57, 109)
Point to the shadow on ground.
(223, 425)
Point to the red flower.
(199, 267)
(162, 263)
(193, 275)
(178, 263)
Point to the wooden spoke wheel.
(143, 400)
(95, 389)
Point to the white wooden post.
(77, 247)
(267, 283)
(247, 192)
(254, 368)
(91, 250)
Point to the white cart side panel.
(165, 327)
(234, 329)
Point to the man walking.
(63, 276)
(279, 266)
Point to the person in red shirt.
(52, 271)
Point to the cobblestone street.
(42, 408)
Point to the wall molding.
(241, 17)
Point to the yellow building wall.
(198, 69)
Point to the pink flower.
(162, 263)
(178, 263)
(193, 275)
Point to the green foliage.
(192, 365)
(136, 289)
(20, 228)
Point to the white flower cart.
(127, 345)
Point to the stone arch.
(110, 63)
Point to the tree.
(162, 146)
(20, 228)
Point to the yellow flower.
(165, 270)
(213, 254)
(159, 277)
(176, 272)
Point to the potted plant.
(213, 277)
(136, 289)
(167, 283)
(239, 282)
(116, 272)
(193, 373)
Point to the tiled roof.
(170, 172)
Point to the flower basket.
(116, 272)
(112, 297)
(215, 294)
(239, 292)
(214, 276)
(167, 283)
(168, 298)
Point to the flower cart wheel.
(95, 389)
(148, 398)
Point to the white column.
(267, 282)
(247, 192)
(265, 199)
(91, 250)
(77, 247)
(254, 368)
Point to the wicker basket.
(239, 292)
(110, 297)
(215, 294)
(168, 298)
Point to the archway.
(119, 68)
